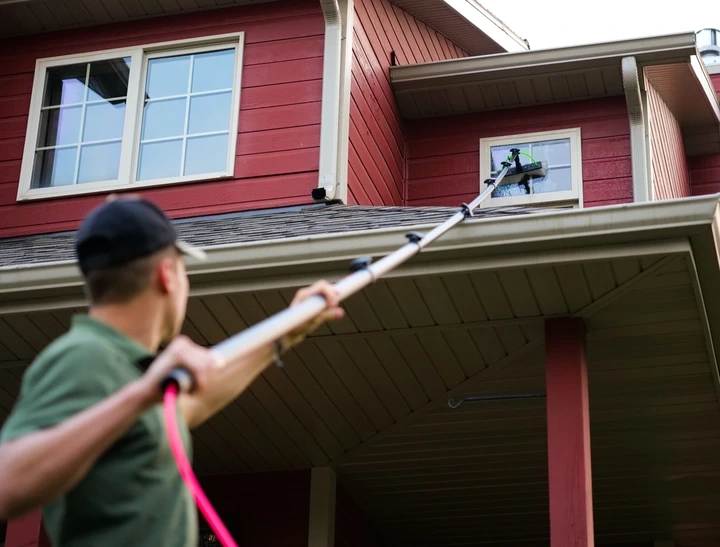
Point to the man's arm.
(38, 467)
(225, 384)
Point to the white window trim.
(133, 116)
(570, 197)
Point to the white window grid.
(130, 148)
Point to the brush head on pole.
(515, 175)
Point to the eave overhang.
(534, 78)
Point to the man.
(86, 439)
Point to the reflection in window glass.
(556, 153)
(186, 115)
(81, 123)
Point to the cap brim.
(189, 250)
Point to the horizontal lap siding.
(444, 153)
(277, 152)
(670, 177)
(377, 144)
(705, 174)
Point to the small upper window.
(144, 116)
(560, 154)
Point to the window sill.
(76, 190)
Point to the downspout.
(332, 177)
(638, 124)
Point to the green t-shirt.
(133, 495)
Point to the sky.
(559, 23)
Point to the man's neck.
(137, 320)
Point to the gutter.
(335, 117)
(285, 262)
(639, 129)
(646, 50)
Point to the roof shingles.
(253, 227)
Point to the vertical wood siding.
(444, 156)
(279, 128)
(377, 144)
(670, 176)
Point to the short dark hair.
(120, 284)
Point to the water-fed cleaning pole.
(275, 327)
(363, 273)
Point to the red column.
(568, 430)
(26, 531)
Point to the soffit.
(25, 17)
(447, 21)
(512, 80)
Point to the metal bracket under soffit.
(477, 398)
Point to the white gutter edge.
(546, 230)
(638, 126)
(331, 100)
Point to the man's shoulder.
(70, 352)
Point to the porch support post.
(568, 431)
(321, 531)
(26, 531)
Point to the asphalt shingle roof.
(253, 226)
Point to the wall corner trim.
(639, 129)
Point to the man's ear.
(166, 271)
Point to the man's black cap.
(125, 229)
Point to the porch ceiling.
(369, 395)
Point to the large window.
(144, 116)
(558, 151)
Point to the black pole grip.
(180, 377)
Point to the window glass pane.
(60, 126)
(213, 70)
(108, 79)
(65, 85)
(54, 167)
(104, 121)
(164, 119)
(553, 152)
(209, 113)
(160, 160)
(557, 180)
(206, 154)
(98, 93)
(99, 162)
(168, 76)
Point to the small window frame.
(130, 147)
(572, 197)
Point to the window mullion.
(82, 123)
(183, 152)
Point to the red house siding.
(262, 509)
(705, 174)
(376, 172)
(352, 528)
(279, 128)
(444, 155)
(670, 176)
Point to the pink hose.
(186, 471)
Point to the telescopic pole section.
(275, 327)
